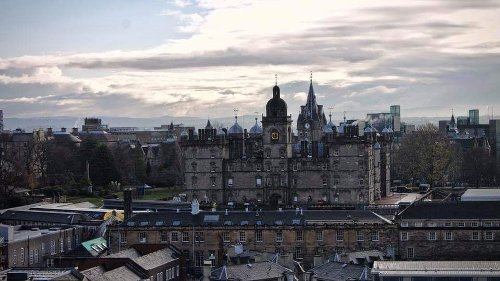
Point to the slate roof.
(44, 216)
(252, 218)
(338, 271)
(437, 268)
(155, 259)
(254, 271)
(130, 253)
(455, 210)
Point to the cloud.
(365, 56)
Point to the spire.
(276, 79)
(209, 125)
(311, 105)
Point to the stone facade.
(271, 165)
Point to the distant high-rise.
(1, 120)
(396, 117)
(474, 116)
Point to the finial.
(311, 76)
(276, 79)
(344, 116)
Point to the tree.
(102, 166)
(426, 154)
(478, 167)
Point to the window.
(31, 258)
(142, 237)
(268, 167)
(340, 235)
(295, 166)
(374, 235)
(418, 224)
(404, 236)
(53, 247)
(123, 238)
(461, 224)
(212, 181)
(278, 250)
(474, 224)
(410, 253)
(164, 237)
(199, 236)
(319, 235)
(43, 249)
(325, 181)
(360, 236)
(36, 256)
(258, 167)
(448, 235)
(258, 235)
(14, 257)
(336, 179)
(185, 236)
(335, 153)
(243, 237)
(159, 276)
(279, 236)
(294, 181)
(194, 166)
(268, 152)
(174, 236)
(432, 236)
(225, 237)
(475, 235)
(298, 254)
(77, 240)
(447, 224)
(198, 258)
(487, 224)
(230, 182)
(282, 166)
(299, 235)
(488, 235)
(22, 256)
(61, 245)
(361, 182)
(68, 241)
(213, 167)
(194, 181)
(404, 224)
(258, 181)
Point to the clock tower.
(277, 148)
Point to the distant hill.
(246, 121)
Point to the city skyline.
(206, 58)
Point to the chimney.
(63, 130)
(195, 207)
(127, 202)
(74, 131)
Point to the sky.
(214, 58)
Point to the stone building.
(300, 234)
(324, 163)
(450, 231)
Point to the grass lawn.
(150, 194)
(94, 200)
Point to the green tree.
(425, 154)
(102, 166)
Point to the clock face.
(307, 125)
(275, 136)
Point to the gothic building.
(323, 163)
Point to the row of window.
(34, 255)
(449, 224)
(170, 274)
(199, 236)
(448, 235)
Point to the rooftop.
(338, 271)
(454, 210)
(438, 268)
(254, 271)
(252, 218)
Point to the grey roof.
(130, 253)
(338, 271)
(437, 268)
(483, 194)
(44, 216)
(68, 274)
(236, 128)
(454, 210)
(254, 271)
(155, 259)
(252, 218)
